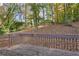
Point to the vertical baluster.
(35, 39)
(38, 40)
(52, 42)
(67, 43)
(15, 38)
(70, 44)
(73, 45)
(76, 48)
(49, 41)
(32, 41)
(59, 43)
(56, 42)
(32, 37)
(9, 40)
(41, 40)
(63, 43)
(46, 41)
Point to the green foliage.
(17, 26)
(64, 13)
(8, 20)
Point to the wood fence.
(58, 41)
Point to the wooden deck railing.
(58, 41)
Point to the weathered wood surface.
(59, 41)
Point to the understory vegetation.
(36, 14)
